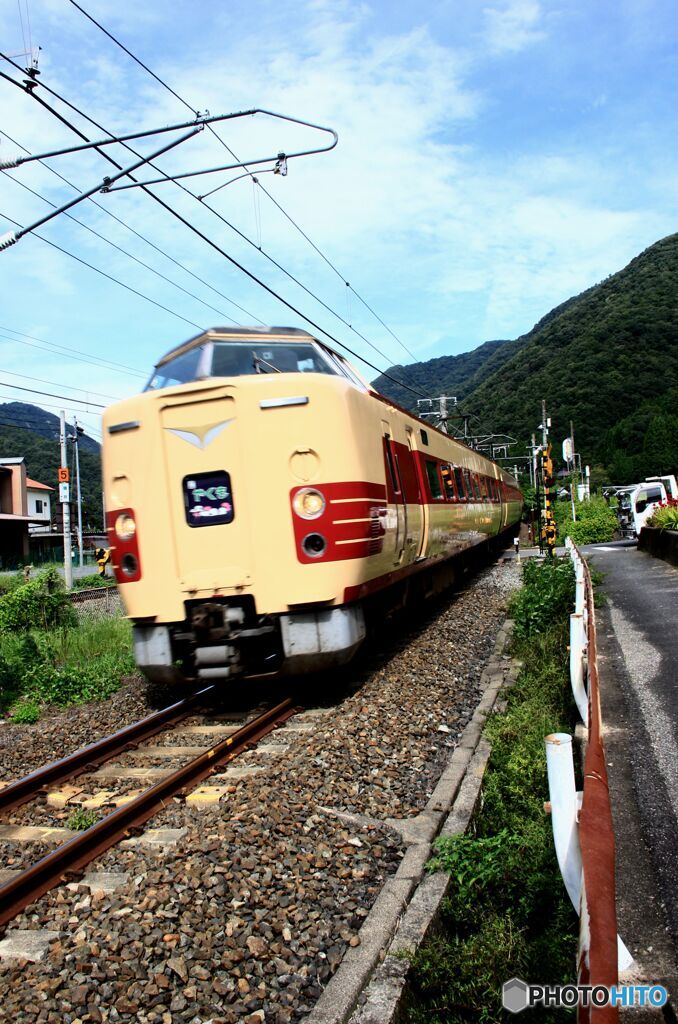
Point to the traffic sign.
(62, 475)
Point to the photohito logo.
(518, 995)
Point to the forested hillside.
(606, 359)
(456, 376)
(42, 457)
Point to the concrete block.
(105, 881)
(27, 945)
(206, 796)
(61, 797)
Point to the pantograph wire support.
(196, 125)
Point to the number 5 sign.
(62, 475)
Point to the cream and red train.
(261, 496)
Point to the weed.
(81, 820)
(25, 712)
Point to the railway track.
(70, 857)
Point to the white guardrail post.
(579, 636)
(564, 801)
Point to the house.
(19, 500)
(39, 506)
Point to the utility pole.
(65, 498)
(573, 482)
(77, 431)
(544, 423)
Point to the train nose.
(203, 459)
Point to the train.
(263, 502)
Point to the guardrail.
(582, 822)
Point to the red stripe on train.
(360, 501)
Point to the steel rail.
(75, 854)
(94, 755)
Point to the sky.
(494, 159)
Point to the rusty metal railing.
(582, 822)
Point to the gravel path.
(250, 914)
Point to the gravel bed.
(23, 748)
(249, 915)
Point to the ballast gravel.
(249, 915)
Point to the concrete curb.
(407, 908)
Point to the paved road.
(638, 655)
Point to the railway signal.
(548, 527)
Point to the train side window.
(459, 480)
(433, 480)
(448, 482)
(424, 437)
(395, 479)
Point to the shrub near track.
(47, 657)
(507, 913)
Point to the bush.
(596, 522)
(41, 603)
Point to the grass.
(47, 656)
(507, 913)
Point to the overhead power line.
(50, 394)
(103, 273)
(70, 353)
(68, 387)
(214, 132)
(196, 230)
(148, 242)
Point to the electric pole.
(77, 431)
(65, 498)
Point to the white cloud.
(513, 26)
(451, 239)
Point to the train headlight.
(309, 503)
(125, 526)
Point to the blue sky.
(493, 160)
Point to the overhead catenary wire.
(202, 235)
(214, 132)
(103, 273)
(148, 242)
(68, 387)
(119, 248)
(51, 394)
(70, 353)
(220, 217)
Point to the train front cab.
(227, 559)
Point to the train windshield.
(238, 359)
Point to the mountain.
(29, 431)
(606, 359)
(447, 375)
(38, 421)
